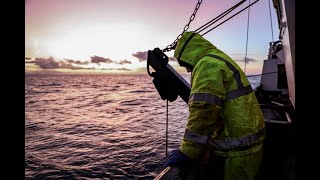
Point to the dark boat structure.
(276, 96)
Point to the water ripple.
(97, 127)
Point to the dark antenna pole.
(167, 129)
(245, 58)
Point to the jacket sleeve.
(205, 103)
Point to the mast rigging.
(208, 24)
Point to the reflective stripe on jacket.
(223, 109)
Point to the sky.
(115, 36)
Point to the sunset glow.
(100, 39)
(121, 32)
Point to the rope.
(230, 17)
(245, 58)
(186, 27)
(203, 27)
(270, 20)
(167, 129)
(261, 74)
(218, 17)
(208, 24)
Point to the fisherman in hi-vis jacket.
(225, 128)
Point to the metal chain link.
(186, 27)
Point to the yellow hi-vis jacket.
(224, 111)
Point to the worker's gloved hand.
(176, 158)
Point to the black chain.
(186, 27)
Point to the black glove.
(176, 158)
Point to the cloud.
(47, 63)
(142, 56)
(51, 63)
(98, 59)
(125, 62)
(247, 60)
(121, 69)
(29, 61)
(77, 61)
(70, 66)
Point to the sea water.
(99, 126)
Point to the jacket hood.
(191, 47)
